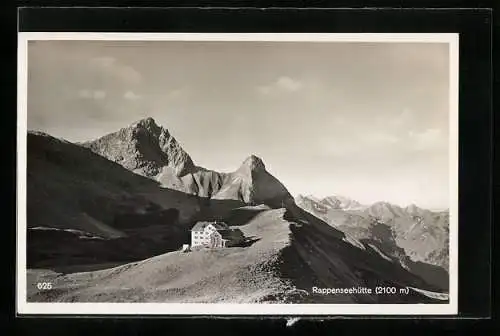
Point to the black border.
(475, 81)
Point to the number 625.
(44, 285)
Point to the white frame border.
(24, 307)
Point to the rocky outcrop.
(144, 148)
(150, 150)
(253, 184)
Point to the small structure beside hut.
(215, 234)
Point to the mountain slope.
(84, 208)
(71, 189)
(416, 238)
(340, 202)
(291, 252)
(252, 184)
(144, 148)
(150, 150)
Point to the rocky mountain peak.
(253, 184)
(253, 163)
(148, 149)
(412, 209)
(148, 122)
(149, 127)
(383, 205)
(144, 147)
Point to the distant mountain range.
(333, 202)
(130, 197)
(409, 234)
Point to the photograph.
(189, 173)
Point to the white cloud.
(283, 84)
(130, 95)
(92, 94)
(405, 118)
(175, 93)
(99, 94)
(113, 67)
(84, 93)
(288, 84)
(430, 138)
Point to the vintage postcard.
(237, 174)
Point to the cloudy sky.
(363, 120)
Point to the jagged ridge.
(145, 148)
(150, 150)
(411, 235)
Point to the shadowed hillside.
(97, 210)
(100, 232)
(84, 209)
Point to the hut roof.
(200, 226)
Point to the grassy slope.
(283, 263)
(234, 274)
